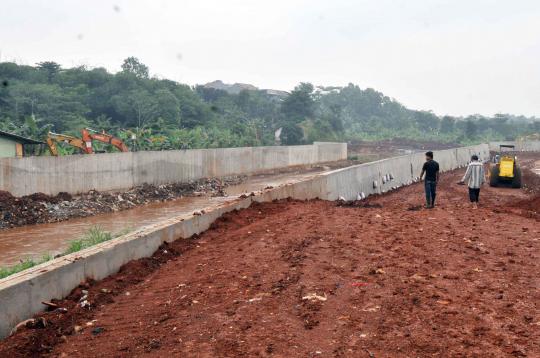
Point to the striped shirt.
(474, 175)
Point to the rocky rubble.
(40, 208)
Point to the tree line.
(154, 114)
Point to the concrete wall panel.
(113, 171)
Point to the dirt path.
(312, 279)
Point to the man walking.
(431, 170)
(475, 177)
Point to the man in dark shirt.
(431, 170)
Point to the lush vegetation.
(152, 113)
(93, 236)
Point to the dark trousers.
(474, 194)
(431, 192)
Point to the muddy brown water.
(35, 240)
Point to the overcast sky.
(450, 56)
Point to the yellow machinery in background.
(53, 138)
(505, 169)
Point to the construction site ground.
(148, 204)
(383, 278)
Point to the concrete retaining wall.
(113, 171)
(532, 146)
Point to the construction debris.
(314, 296)
(40, 208)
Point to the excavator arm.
(53, 138)
(88, 135)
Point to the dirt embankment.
(314, 279)
(40, 208)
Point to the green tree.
(291, 134)
(50, 68)
(471, 129)
(447, 124)
(300, 104)
(135, 67)
(139, 107)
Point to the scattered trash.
(39, 322)
(50, 305)
(314, 296)
(97, 330)
(85, 303)
(371, 309)
(40, 208)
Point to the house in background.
(13, 145)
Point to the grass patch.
(93, 236)
(23, 265)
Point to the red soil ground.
(313, 279)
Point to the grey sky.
(451, 56)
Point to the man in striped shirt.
(475, 177)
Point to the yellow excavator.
(53, 138)
(505, 168)
(84, 143)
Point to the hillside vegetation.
(153, 113)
